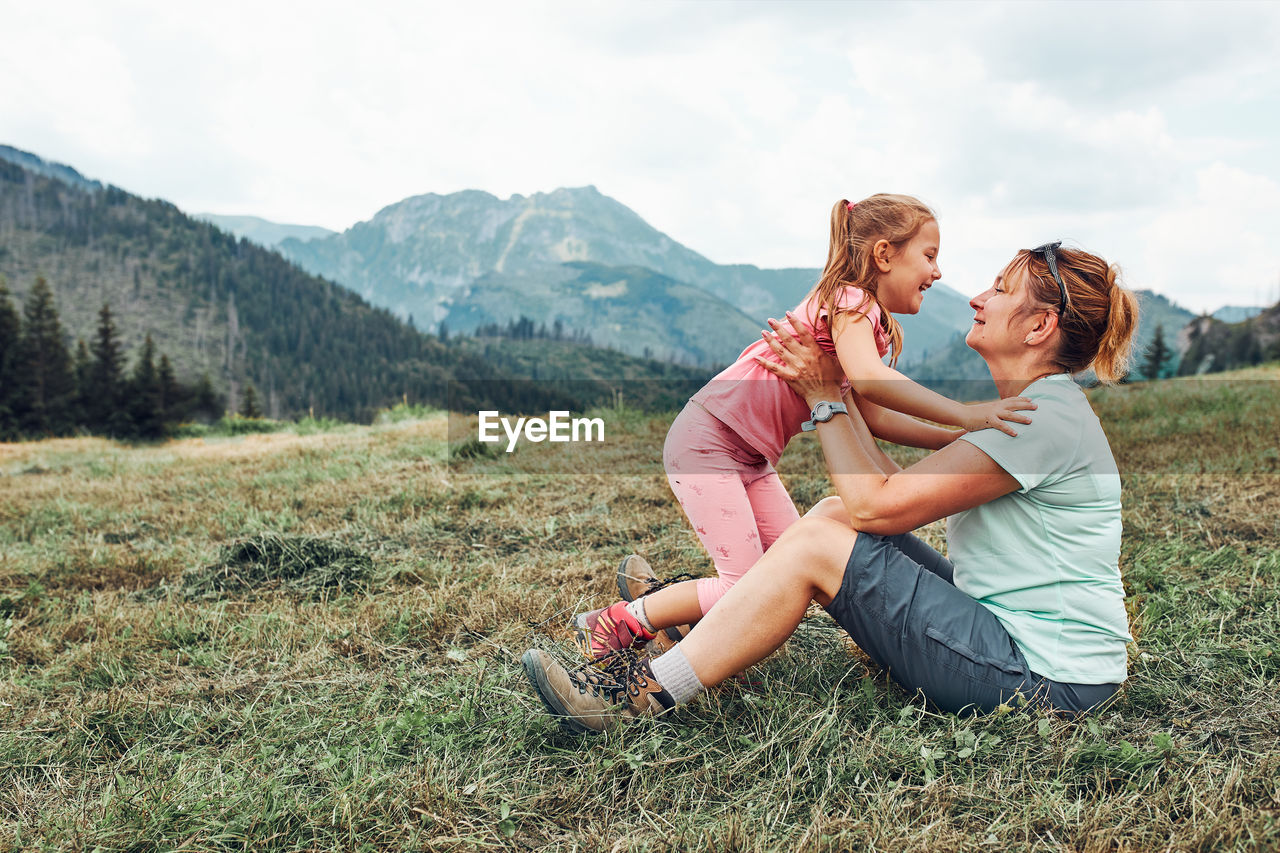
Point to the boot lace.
(652, 585)
(608, 676)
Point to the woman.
(1030, 602)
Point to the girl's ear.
(881, 253)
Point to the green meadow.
(309, 639)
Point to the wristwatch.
(823, 412)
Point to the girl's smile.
(913, 271)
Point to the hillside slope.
(213, 303)
(1212, 345)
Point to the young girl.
(721, 450)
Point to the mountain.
(592, 376)
(57, 171)
(636, 310)
(1237, 313)
(1211, 345)
(243, 313)
(467, 257)
(218, 305)
(264, 232)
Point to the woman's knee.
(829, 507)
(818, 548)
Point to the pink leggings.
(730, 493)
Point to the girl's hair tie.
(852, 205)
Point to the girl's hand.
(994, 414)
(802, 364)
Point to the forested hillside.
(1212, 345)
(213, 303)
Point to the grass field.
(310, 641)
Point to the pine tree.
(173, 397)
(205, 402)
(82, 367)
(145, 408)
(249, 406)
(10, 335)
(47, 383)
(107, 412)
(1157, 354)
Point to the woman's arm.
(876, 381)
(958, 477)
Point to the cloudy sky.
(1147, 132)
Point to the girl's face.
(997, 324)
(912, 271)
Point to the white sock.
(636, 609)
(674, 673)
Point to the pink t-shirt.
(759, 406)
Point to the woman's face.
(997, 319)
(912, 271)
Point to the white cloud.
(1132, 128)
(1218, 244)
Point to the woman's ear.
(881, 252)
(1046, 325)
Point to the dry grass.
(391, 713)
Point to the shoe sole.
(533, 671)
(622, 576)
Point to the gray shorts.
(898, 602)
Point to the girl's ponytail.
(840, 224)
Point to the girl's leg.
(705, 465)
(722, 516)
(772, 512)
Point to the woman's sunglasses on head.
(1052, 260)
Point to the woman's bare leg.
(762, 610)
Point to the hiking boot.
(666, 639)
(602, 632)
(588, 701)
(636, 579)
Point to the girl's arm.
(881, 384)
(958, 477)
(901, 429)
(855, 403)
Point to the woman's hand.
(802, 364)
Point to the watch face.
(822, 411)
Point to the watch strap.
(815, 417)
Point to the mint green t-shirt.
(1045, 558)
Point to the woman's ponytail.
(1111, 364)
